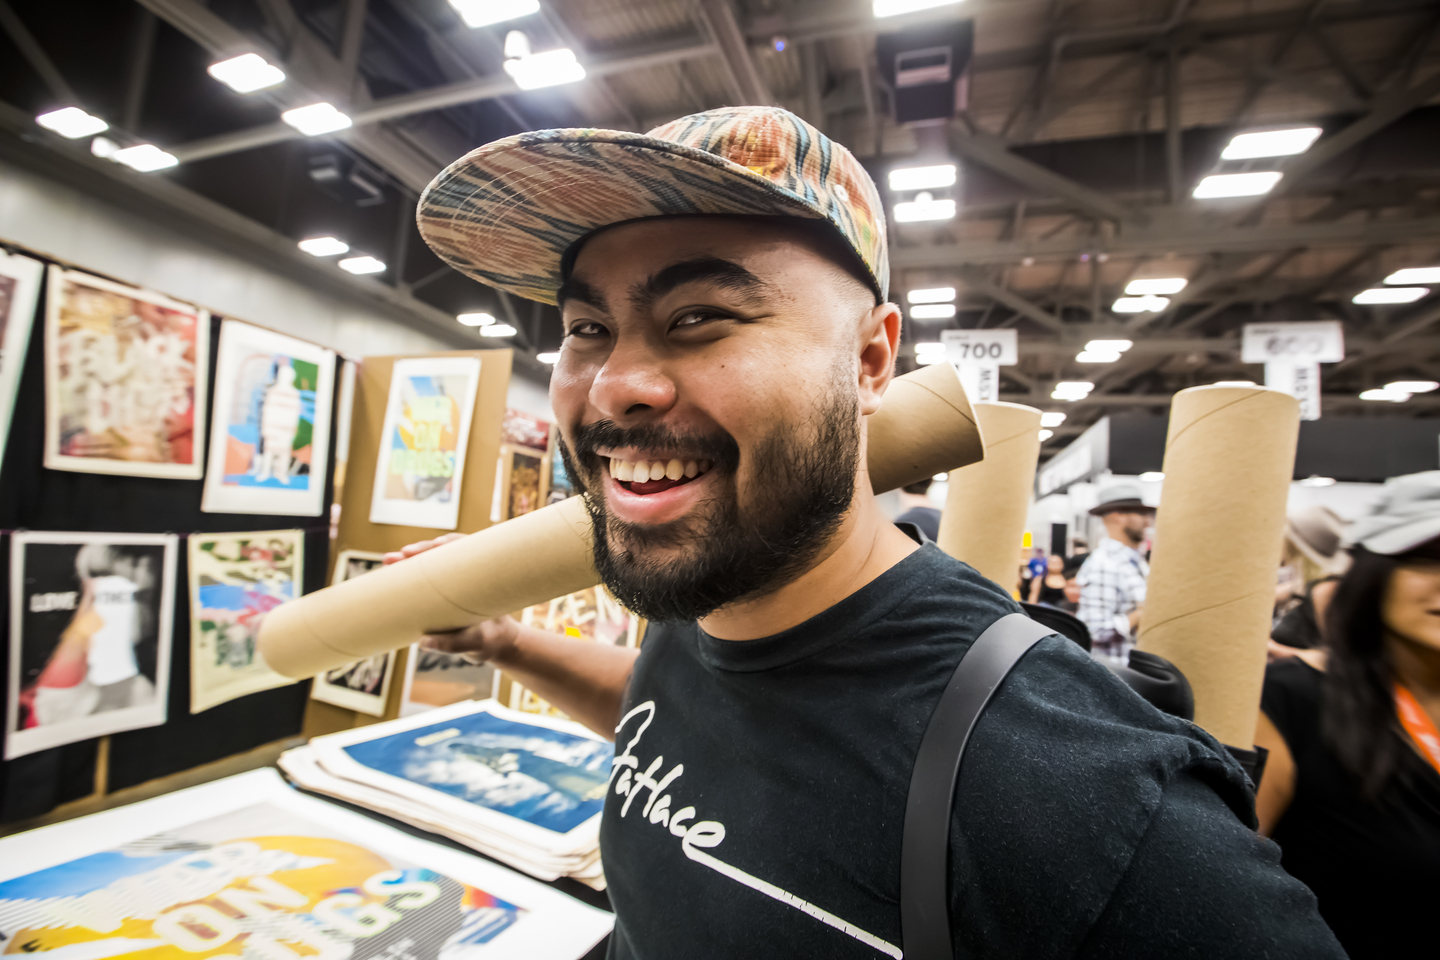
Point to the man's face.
(710, 407)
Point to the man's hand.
(410, 550)
(489, 640)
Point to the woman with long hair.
(1351, 791)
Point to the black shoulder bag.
(924, 851)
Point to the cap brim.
(1117, 506)
(506, 213)
(1403, 538)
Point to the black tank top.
(1054, 596)
(1375, 867)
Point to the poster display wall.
(593, 615)
(420, 467)
(90, 622)
(19, 291)
(236, 578)
(364, 684)
(125, 379)
(270, 432)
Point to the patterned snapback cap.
(507, 213)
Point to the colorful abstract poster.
(124, 379)
(364, 684)
(420, 469)
(270, 429)
(19, 291)
(434, 679)
(90, 619)
(235, 579)
(540, 779)
(560, 486)
(246, 867)
(592, 615)
(525, 430)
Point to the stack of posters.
(525, 790)
(247, 866)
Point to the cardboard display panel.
(545, 554)
(984, 516)
(1228, 462)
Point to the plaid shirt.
(1112, 583)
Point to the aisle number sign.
(1292, 354)
(978, 356)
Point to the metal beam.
(719, 18)
(1427, 317)
(351, 39)
(35, 55)
(991, 151)
(138, 69)
(980, 283)
(1163, 400)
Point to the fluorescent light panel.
(361, 265)
(483, 13)
(1415, 275)
(925, 359)
(1412, 386)
(1385, 395)
(1152, 475)
(324, 246)
(1163, 286)
(922, 178)
(932, 311)
(929, 347)
(1109, 346)
(144, 157)
(1390, 295)
(1096, 356)
(931, 295)
(916, 211)
(1046, 435)
(246, 73)
(1140, 304)
(72, 123)
(1270, 143)
(476, 319)
(548, 69)
(1052, 418)
(498, 330)
(1236, 185)
(548, 357)
(316, 119)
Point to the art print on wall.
(247, 867)
(19, 291)
(420, 468)
(235, 579)
(90, 623)
(270, 430)
(434, 679)
(124, 379)
(363, 685)
(523, 490)
(592, 615)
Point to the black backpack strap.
(925, 849)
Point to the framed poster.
(90, 620)
(434, 679)
(419, 472)
(247, 866)
(270, 429)
(523, 480)
(235, 579)
(124, 379)
(364, 684)
(19, 291)
(521, 428)
(591, 614)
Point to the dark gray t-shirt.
(759, 796)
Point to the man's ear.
(879, 346)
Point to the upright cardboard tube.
(985, 506)
(924, 426)
(1229, 458)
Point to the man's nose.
(632, 383)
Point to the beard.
(728, 552)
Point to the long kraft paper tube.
(985, 507)
(1229, 458)
(924, 426)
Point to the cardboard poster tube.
(924, 427)
(1229, 458)
(984, 516)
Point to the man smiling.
(723, 288)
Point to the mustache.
(718, 446)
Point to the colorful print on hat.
(506, 213)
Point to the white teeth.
(643, 471)
(625, 471)
(653, 471)
(674, 470)
(691, 468)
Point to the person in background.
(1038, 564)
(1112, 581)
(1049, 588)
(1315, 562)
(919, 509)
(1351, 789)
(1079, 547)
(1072, 584)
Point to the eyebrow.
(725, 274)
(576, 289)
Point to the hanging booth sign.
(978, 356)
(1292, 354)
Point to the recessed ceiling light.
(324, 246)
(104, 148)
(1236, 185)
(1151, 476)
(922, 178)
(483, 13)
(362, 265)
(1270, 143)
(1109, 346)
(1385, 395)
(932, 311)
(548, 69)
(145, 157)
(917, 210)
(931, 295)
(316, 119)
(1390, 295)
(1052, 418)
(1412, 386)
(1097, 356)
(1318, 482)
(548, 357)
(1140, 304)
(246, 73)
(929, 346)
(1160, 285)
(925, 359)
(1415, 275)
(476, 319)
(72, 123)
(893, 8)
(1072, 390)
(498, 330)
(1046, 435)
